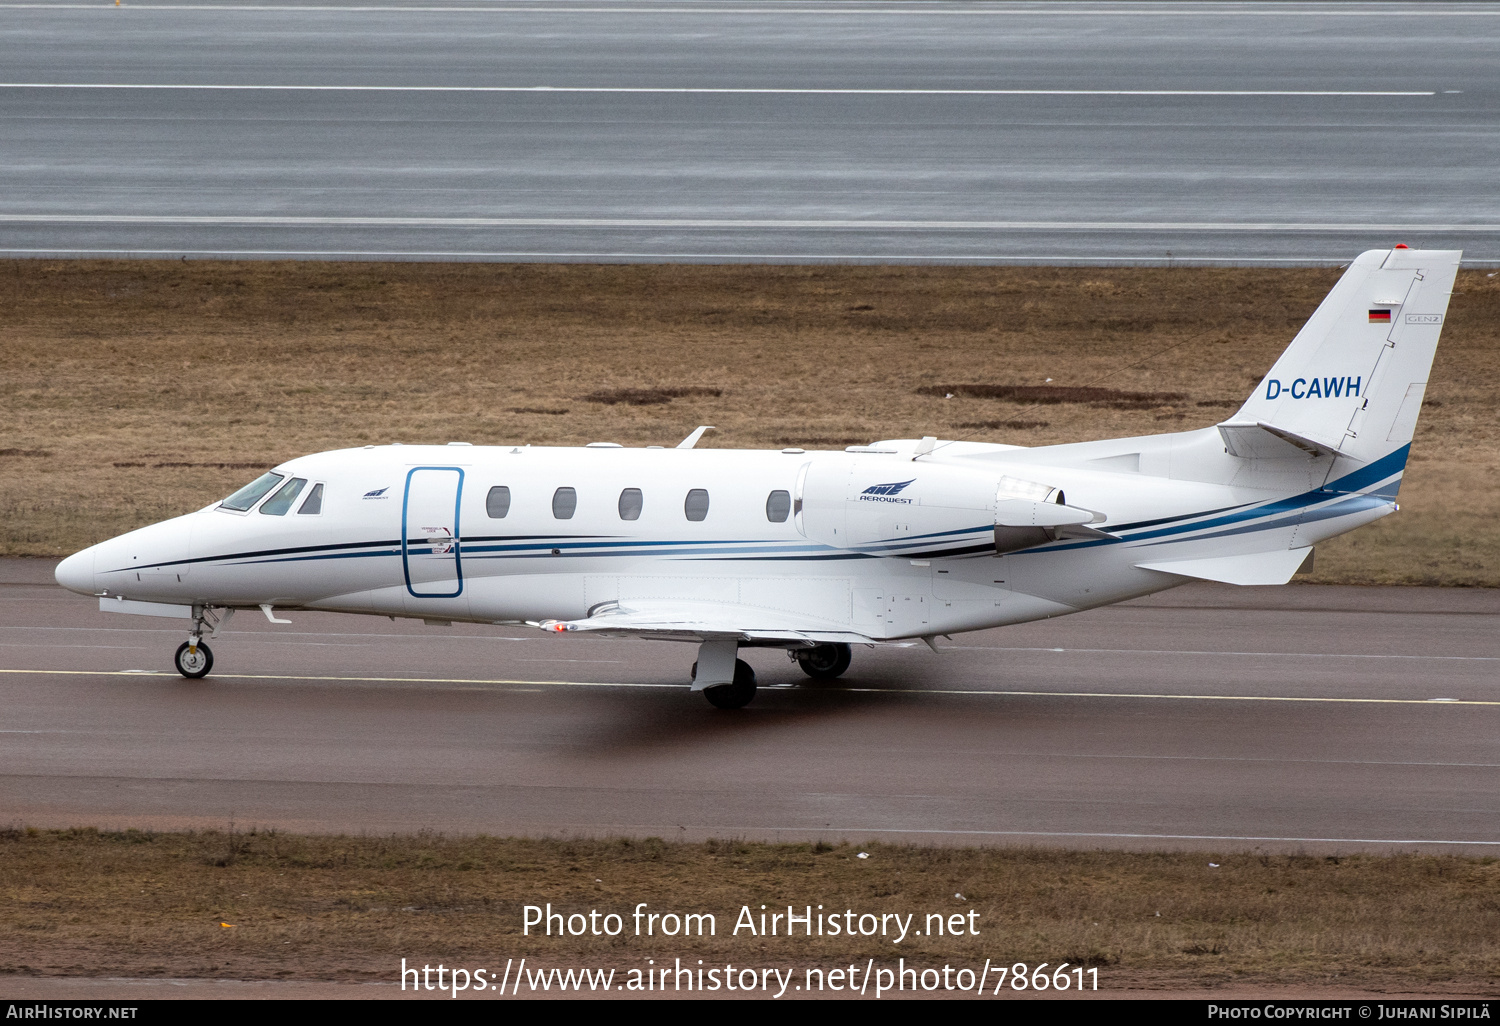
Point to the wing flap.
(1251, 568)
(703, 622)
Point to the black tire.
(736, 695)
(824, 662)
(195, 665)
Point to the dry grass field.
(132, 391)
(137, 904)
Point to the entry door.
(430, 541)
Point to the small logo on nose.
(378, 493)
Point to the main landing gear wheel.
(732, 696)
(192, 660)
(823, 662)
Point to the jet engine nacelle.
(892, 507)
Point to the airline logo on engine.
(1314, 388)
(889, 492)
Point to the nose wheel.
(194, 659)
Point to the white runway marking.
(778, 10)
(1208, 652)
(977, 692)
(706, 90)
(448, 638)
(829, 224)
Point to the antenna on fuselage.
(692, 439)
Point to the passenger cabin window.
(278, 504)
(696, 506)
(778, 506)
(251, 494)
(313, 504)
(631, 502)
(497, 502)
(564, 503)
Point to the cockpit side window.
(250, 494)
(278, 504)
(313, 504)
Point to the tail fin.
(1351, 382)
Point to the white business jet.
(812, 552)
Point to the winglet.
(692, 439)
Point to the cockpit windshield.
(251, 494)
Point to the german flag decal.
(1380, 317)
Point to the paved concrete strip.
(707, 133)
(1206, 838)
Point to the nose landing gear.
(194, 659)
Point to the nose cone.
(76, 573)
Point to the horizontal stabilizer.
(1259, 440)
(1276, 567)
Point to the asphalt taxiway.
(713, 131)
(1298, 718)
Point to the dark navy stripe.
(260, 552)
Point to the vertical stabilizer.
(1351, 382)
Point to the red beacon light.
(1402, 245)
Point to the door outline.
(458, 568)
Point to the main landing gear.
(820, 662)
(194, 658)
(736, 695)
(823, 662)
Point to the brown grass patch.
(1013, 425)
(144, 904)
(823, 441)
(649, 396)
(225, 364)
(1050, 395)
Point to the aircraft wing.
(701, 621)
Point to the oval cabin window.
(778, 506)
(564, 503)
(631, 502)
(696, 506)
(497, 502)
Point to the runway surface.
(1299, 718)
(713, 131)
